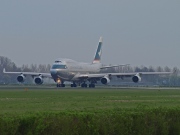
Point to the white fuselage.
(67, 69)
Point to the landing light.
(58, 80)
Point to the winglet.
(4, 70)
(98, 53)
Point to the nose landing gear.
(60, 83)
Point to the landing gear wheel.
(84, 85)
(91, 85)
(60, 85)
(73, 85)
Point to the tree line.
(11, 66)
(172, 80)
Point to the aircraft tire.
(91, 85)
(73, 85)
(84, 85)
(62, 85)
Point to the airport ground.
(103, 110)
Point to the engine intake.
(21, 78)
(136, 78)
(105, 80)
(38, 80)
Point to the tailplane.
(97, 57)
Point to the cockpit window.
(57, 61)
(59, 67)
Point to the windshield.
(59, 67)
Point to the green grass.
(27, 100)
(37, 110)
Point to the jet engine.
(105, 80)
(21, 78)
(136, 78)
(38, 80)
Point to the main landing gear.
(84, 85)
(91, 85)
(73, 85)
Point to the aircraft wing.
(141, 73)
(100, 75)
(104, 67)
(48, 75)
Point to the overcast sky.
(136, 32)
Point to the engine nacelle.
(21, 78)
(105, 80)
(136, 78)
(38, 80)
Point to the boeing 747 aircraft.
(80, 73)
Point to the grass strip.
(159, 121)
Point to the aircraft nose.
(53, 71)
